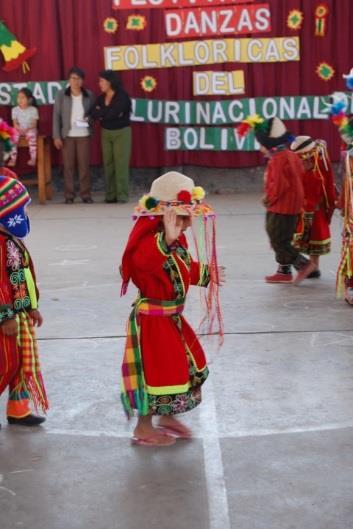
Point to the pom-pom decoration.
(184, 196)
(7, 135)
(198, 193)
(295, 19)
(110, 25)
(151, 203)
(142, 201)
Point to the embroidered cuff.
(6, 313)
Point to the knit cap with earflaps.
(13, 196)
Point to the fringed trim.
(135, 400)
(205, 244)
(34, 387)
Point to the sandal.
(153, 440)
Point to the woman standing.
(112, 108)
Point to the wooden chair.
(44, 174)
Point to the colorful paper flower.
(148, 83)
(136, 22)
(295, 19)
(110, 25)
(325, 71)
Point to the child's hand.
(9, 327)
(36, 317)
(218, 276)
(171, 226)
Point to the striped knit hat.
(13, 196)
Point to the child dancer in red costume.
(313, 231)
(164, 364)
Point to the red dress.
(174, 363)
(319, 204)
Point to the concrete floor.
(273, 446)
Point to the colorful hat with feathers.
(7, 135)
(339, 117)
(270, 133)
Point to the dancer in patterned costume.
(344, 283)
(19, 364)
(164, 364)
(313, 230)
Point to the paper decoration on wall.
(110, 25)
(349, 79)
(218, 83)
(295, 19)
(325, 71)
(136, 22)
(167, 4)
(211, 21)
(15, 54)
(321, 14)
(148, 83)
(199, 52)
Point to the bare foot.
(175, 427)
(148, 435)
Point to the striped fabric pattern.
(13, 195)
(133, 392)
(30, 377)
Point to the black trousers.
(280, 229)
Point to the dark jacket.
(114, 116)
(62, 111)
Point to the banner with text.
(207, 139)
(231, 111)
(43, 91)
(193, 53)
(165, 4)
(211, 21)
(218, 83)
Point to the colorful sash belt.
(133, 391)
